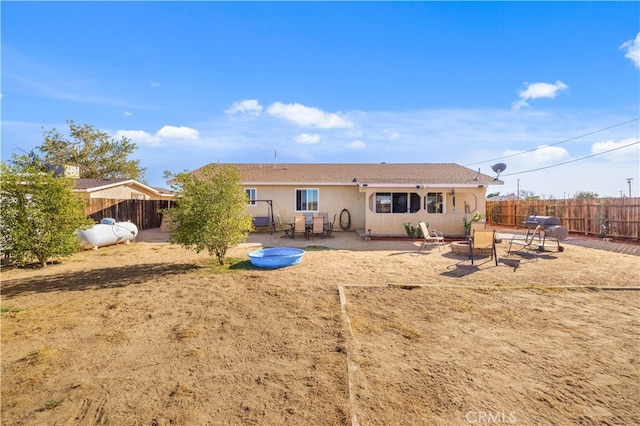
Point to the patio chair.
(288, 232)
(324, 215)
(430, 237)
(318, 226)
(483, 239)
(300, 226)
(328, 227)
(526, 244)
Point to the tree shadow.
(94, 279)
(242, 265)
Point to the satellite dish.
(499, 168)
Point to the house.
(114, 189)
(119, 189)
(124, 200)
(374, 198)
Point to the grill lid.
(544, 221)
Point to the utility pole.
(629, 182)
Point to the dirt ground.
(360, 332)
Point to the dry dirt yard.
(360, 332)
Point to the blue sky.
(537, 86)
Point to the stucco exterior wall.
(360, 202)
(332, 199)
(468, 201)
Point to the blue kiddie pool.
(277, 257)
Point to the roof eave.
(377, 184)
(131, 182)
(299, 183)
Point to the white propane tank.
(107, 232)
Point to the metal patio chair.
(483, 239)
(432, 236)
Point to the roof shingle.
(378, 173)
(87, 183)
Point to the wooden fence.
(601, 217)
(145, 214)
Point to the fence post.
(585, 214)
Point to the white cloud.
(475, 138)
(633, 50)
(354, 132)
(308, 139)
(160, 138)
(139, 137)
(549, 154)
(181, 132)
(543, 155)
(154, 84)
(356, 145)
(538, 90)
(305, 116)
(127, 114)
(516, 105)
(620, 154)
(248, 106)
(542, 90)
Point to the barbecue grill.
(546, 226)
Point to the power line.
(573, 161)
(557, 143)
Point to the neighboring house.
(376, 197)
(119, 189)
(112, 189)
(124, 200)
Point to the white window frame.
(382, 199)
(252, 200)
(317, 201)
(388, 199)
(439, 204)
